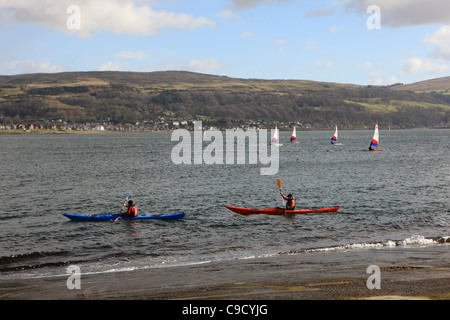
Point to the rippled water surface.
(389, 197)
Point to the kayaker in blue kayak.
(132, 211)
(290, 204)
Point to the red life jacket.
(131, 212)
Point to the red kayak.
(280, 211)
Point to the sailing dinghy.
(294, 135)
(335, 137)
(376, 138)
(275, 138)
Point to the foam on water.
(415, 240)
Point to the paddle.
(123, 205)
(279, 187)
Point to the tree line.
(120, 103)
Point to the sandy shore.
(404, 274)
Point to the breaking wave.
(415, 240)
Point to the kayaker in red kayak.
(132, 211)
(290, 204)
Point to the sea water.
(395, 198)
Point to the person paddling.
(290, 204)
(132, 211)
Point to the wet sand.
(404, 274)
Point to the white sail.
(275, 137)
(376, 137)
(294, 135)
(335, 136)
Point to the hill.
(439, 85)
(130, 97)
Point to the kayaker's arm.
(125, 205)
(284, 197)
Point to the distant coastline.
(31, 132)
(23, 132)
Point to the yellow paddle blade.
(279, 184)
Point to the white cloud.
(114, 66)
(323, 64)
(420, 66)
(377, 82)
(333, 29)
(132, 55)
(247, 4)
(390, 80)
(441, 39)
(30, 66)
(246, 34)
(310, 45)
(228, 15)
(280, 42)
(204, 65)
(375, 73)
(321, 12)
(366, 65)
(119, 16)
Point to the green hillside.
(129, 97)
(438, 85)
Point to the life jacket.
(131, 212)
(290, 205)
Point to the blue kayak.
(112, 217)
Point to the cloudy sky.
(348, 41)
